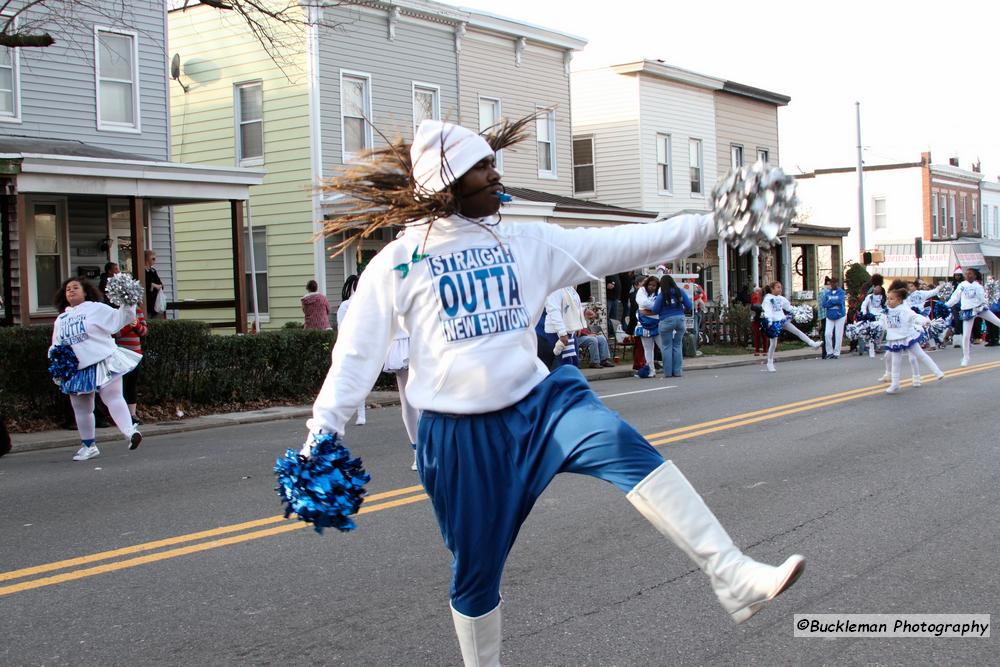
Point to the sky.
(927, 74)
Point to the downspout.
(314, 15)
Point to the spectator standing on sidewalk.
(315, 308)
(563, 319)
(756, 327)
(669, 305)
(833, 302)
(154, 286)
(821, 313)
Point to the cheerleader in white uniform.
(904, 331)
(973, 304)
(87, 326)
(872, 308)
(776, 307)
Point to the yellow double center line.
(213, 539)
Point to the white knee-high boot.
(772, 345)
(914, 365)
(743, 586)
(895, 360)
(479, 638)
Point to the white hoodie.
(564, 312)
(972, 295)
(89, 329)
(901, 323)
(775, 306)
(470, 306)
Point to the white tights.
(111, 396)
(773, 344)
(647, 349)
(916, 355)
(967, 331)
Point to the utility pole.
(861, 186)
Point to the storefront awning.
(939, 259)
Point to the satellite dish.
(175, 70)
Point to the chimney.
(953, 161)
(977, 167)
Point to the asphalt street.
(174, 553)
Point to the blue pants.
(672, 345)
(484, 472)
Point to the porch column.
(786, 263)
(24, 297)
(136, 231)
(239, 270)
(755, 270)
(5, 253)
(723, 273)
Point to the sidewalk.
(26, 442)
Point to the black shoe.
(607, 364)
(135, 440)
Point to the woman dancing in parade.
(872, 309)
(496, 426)
(776, 309)
(971, 299)
(87, 327)
(904, 332)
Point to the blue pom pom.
(774, 328)
(62, 363)
(326, 489)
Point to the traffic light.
(866, 258)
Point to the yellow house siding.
(217, 52)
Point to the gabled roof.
(565, 204)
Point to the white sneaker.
(413, 466)
(917, 381)
(965, 362)
(884, 378)
(360, 421)
(939, 376)
(771, 368)
(893, 389)
(86, 452)
(814, 344)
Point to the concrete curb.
(29, 442)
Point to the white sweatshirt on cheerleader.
(874, 304)
(89, 329)
(971, 295)
(901, 323)
(470, 304)
(775, 307)
(917, 298)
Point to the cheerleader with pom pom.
(495, 425)
(971, 299)
(775, 310)
(85, 359)
(872, 309)
(904, 332)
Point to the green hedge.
(183, 361)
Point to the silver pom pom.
(802, 314)
(992, 291)
(754, 206)
(124, 290)
(947, 289)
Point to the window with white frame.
(879, 213)
(249, 102)
(258, 271)
(951, 215)
(545, 136)
(996, 222)
(47, 249)
(943, 219)
(934, 215)
(975, 214)
(355, 105)
(735, 156)
(694, 161)
(489, 116)
(664, 179)
(986, 219)
(963, 203)
(763, 154)
(117, 81)
(583, 165)
(10, 95)
(426, 104)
